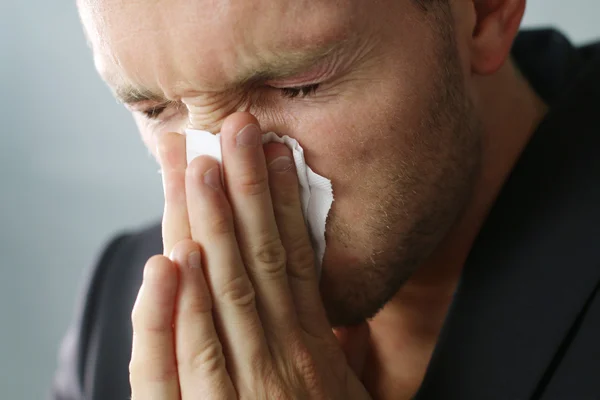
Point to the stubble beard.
(409, 215)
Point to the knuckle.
(141, 373)
(267, 384)
(252, 183)
(297, 366)
(200, 304)
(239, 292)
(208, 358)
(294, 371)
(301, 256)
(271, 257)
(305, 368)
(300, 249)
(220, 224)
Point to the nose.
(197, 119)
(209, 113)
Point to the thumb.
(354, 341)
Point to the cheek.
(339, 144)
(365, 139)
(349, 139)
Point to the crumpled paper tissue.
(316, 193)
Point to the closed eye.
(300, 91)
(157, 111)
(154, 112)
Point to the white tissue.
(316, 194)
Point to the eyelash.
(301, 91)
(154, 112)
(290, 93)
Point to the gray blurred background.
(74, 173)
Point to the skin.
(418, 119)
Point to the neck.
(408, 326)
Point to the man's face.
(375, 92)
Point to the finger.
(153, 370)
(262, 251)
(302, 276)
(235, 314)
(200, 360)
(172, 157)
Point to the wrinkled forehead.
(158, 40)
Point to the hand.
(235, 312)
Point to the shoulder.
(120, 266)
(551, 63)
(111, 293)
(126, 251)
(106, 332)
(141, 242)
(94, 356)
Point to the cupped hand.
(234, 311)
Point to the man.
(462, 256)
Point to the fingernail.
(281, 164)
(249, 136)
(194, 259)
(212, 178)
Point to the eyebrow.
(282, 66)
(129, 94)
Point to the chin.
(355, 287)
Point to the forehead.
(166, 44)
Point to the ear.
(496, 25)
